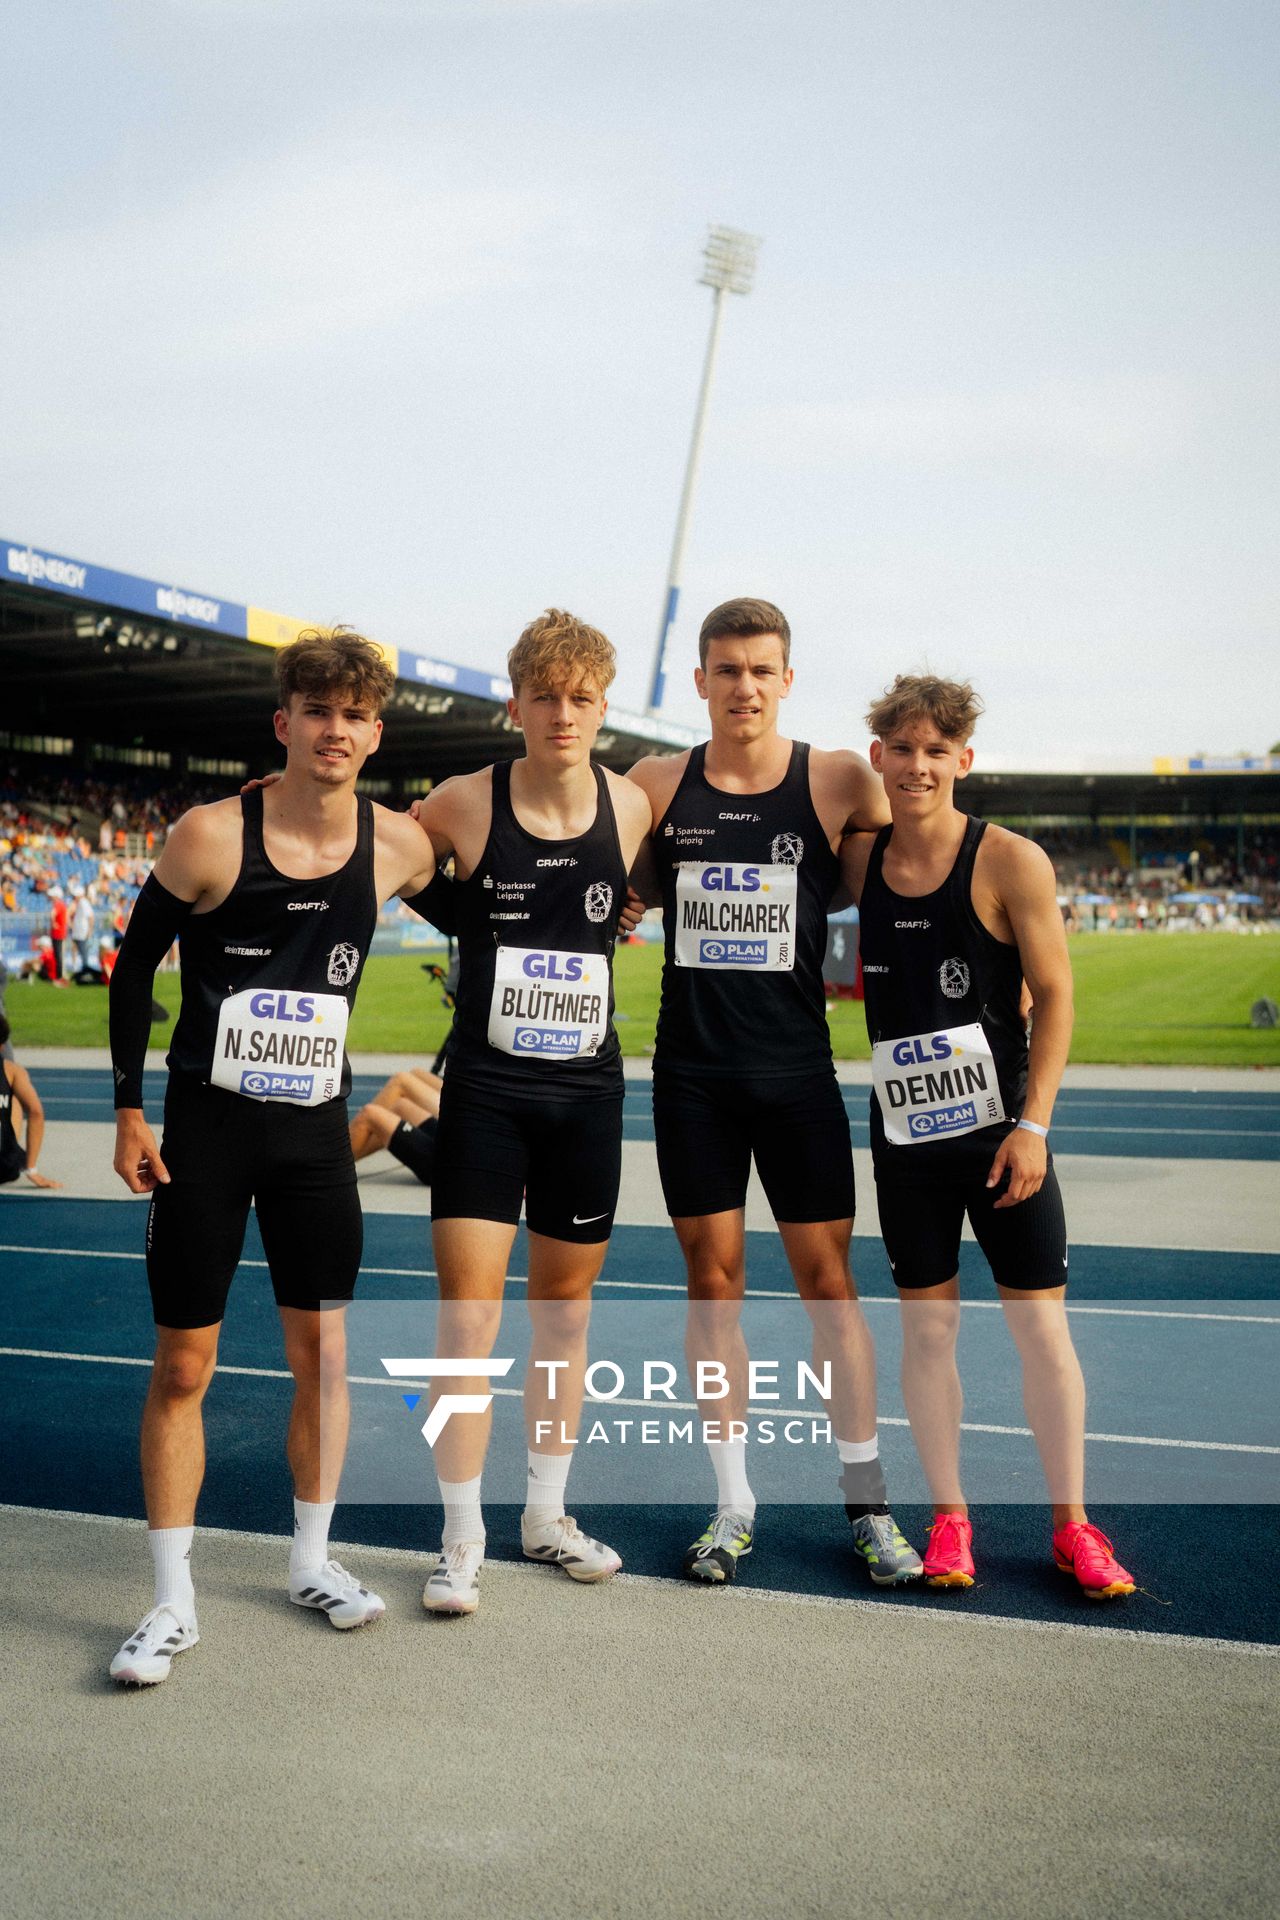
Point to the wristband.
(31, 1172)
(1033, 1126)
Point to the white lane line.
(655, 1408)
(961, 1617)
(1063, 1126)
(753, 1293)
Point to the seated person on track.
(402, 1118)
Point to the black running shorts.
(560, 1155)
(222, 1153)
(415, 1147)
(922, 1209)
(795, 1126)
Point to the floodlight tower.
(729, 264)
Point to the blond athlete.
(531, 1106)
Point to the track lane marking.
(752, 1293)
(656, 1408)
(735, 1595)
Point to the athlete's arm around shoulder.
(632, 812)
(855, 856)
(403, 856)
(847, 792)
(1014, 880)
(457, 816)
(656, 776)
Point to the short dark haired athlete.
(531, 1105)
(954, 915)
(745, 837)
(274, 895)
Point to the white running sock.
(171, 1557)
(463, 1519)
(729, 1459)
(858, 1452)
(548, 1473)
(311, 1522)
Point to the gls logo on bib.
(280, 1045)
(732, 915)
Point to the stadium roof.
(92, 654)
(89, 652)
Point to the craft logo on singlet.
(598, 901)
(344, 961)
(953, 978)
(787, 850)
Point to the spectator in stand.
(19, 1157)
(59, 921)
(82, 932)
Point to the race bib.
(281, 1046)
(736, 916)
(549, 1005)
(933, 1085)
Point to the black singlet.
(543, 914)
(929, 966)
(12, 1155)
(262, 974)
(742, 981)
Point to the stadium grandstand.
(127, 700)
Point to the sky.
(386, 311)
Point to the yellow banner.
(278, 630)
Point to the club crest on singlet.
(599, 899)
(735, 915)
(953, 978)
(787, 850)
(274, 1045)
(548, 1004)
(931, 1086)
(344, 964)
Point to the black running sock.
(862, 1484)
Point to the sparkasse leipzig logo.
(787, 850)
(343, 963)
(953, 978)
(599, 899)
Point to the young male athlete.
(531, 1106)
(275, 895)
(954, 915)
(745, 837)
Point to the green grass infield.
(1141, 1000)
